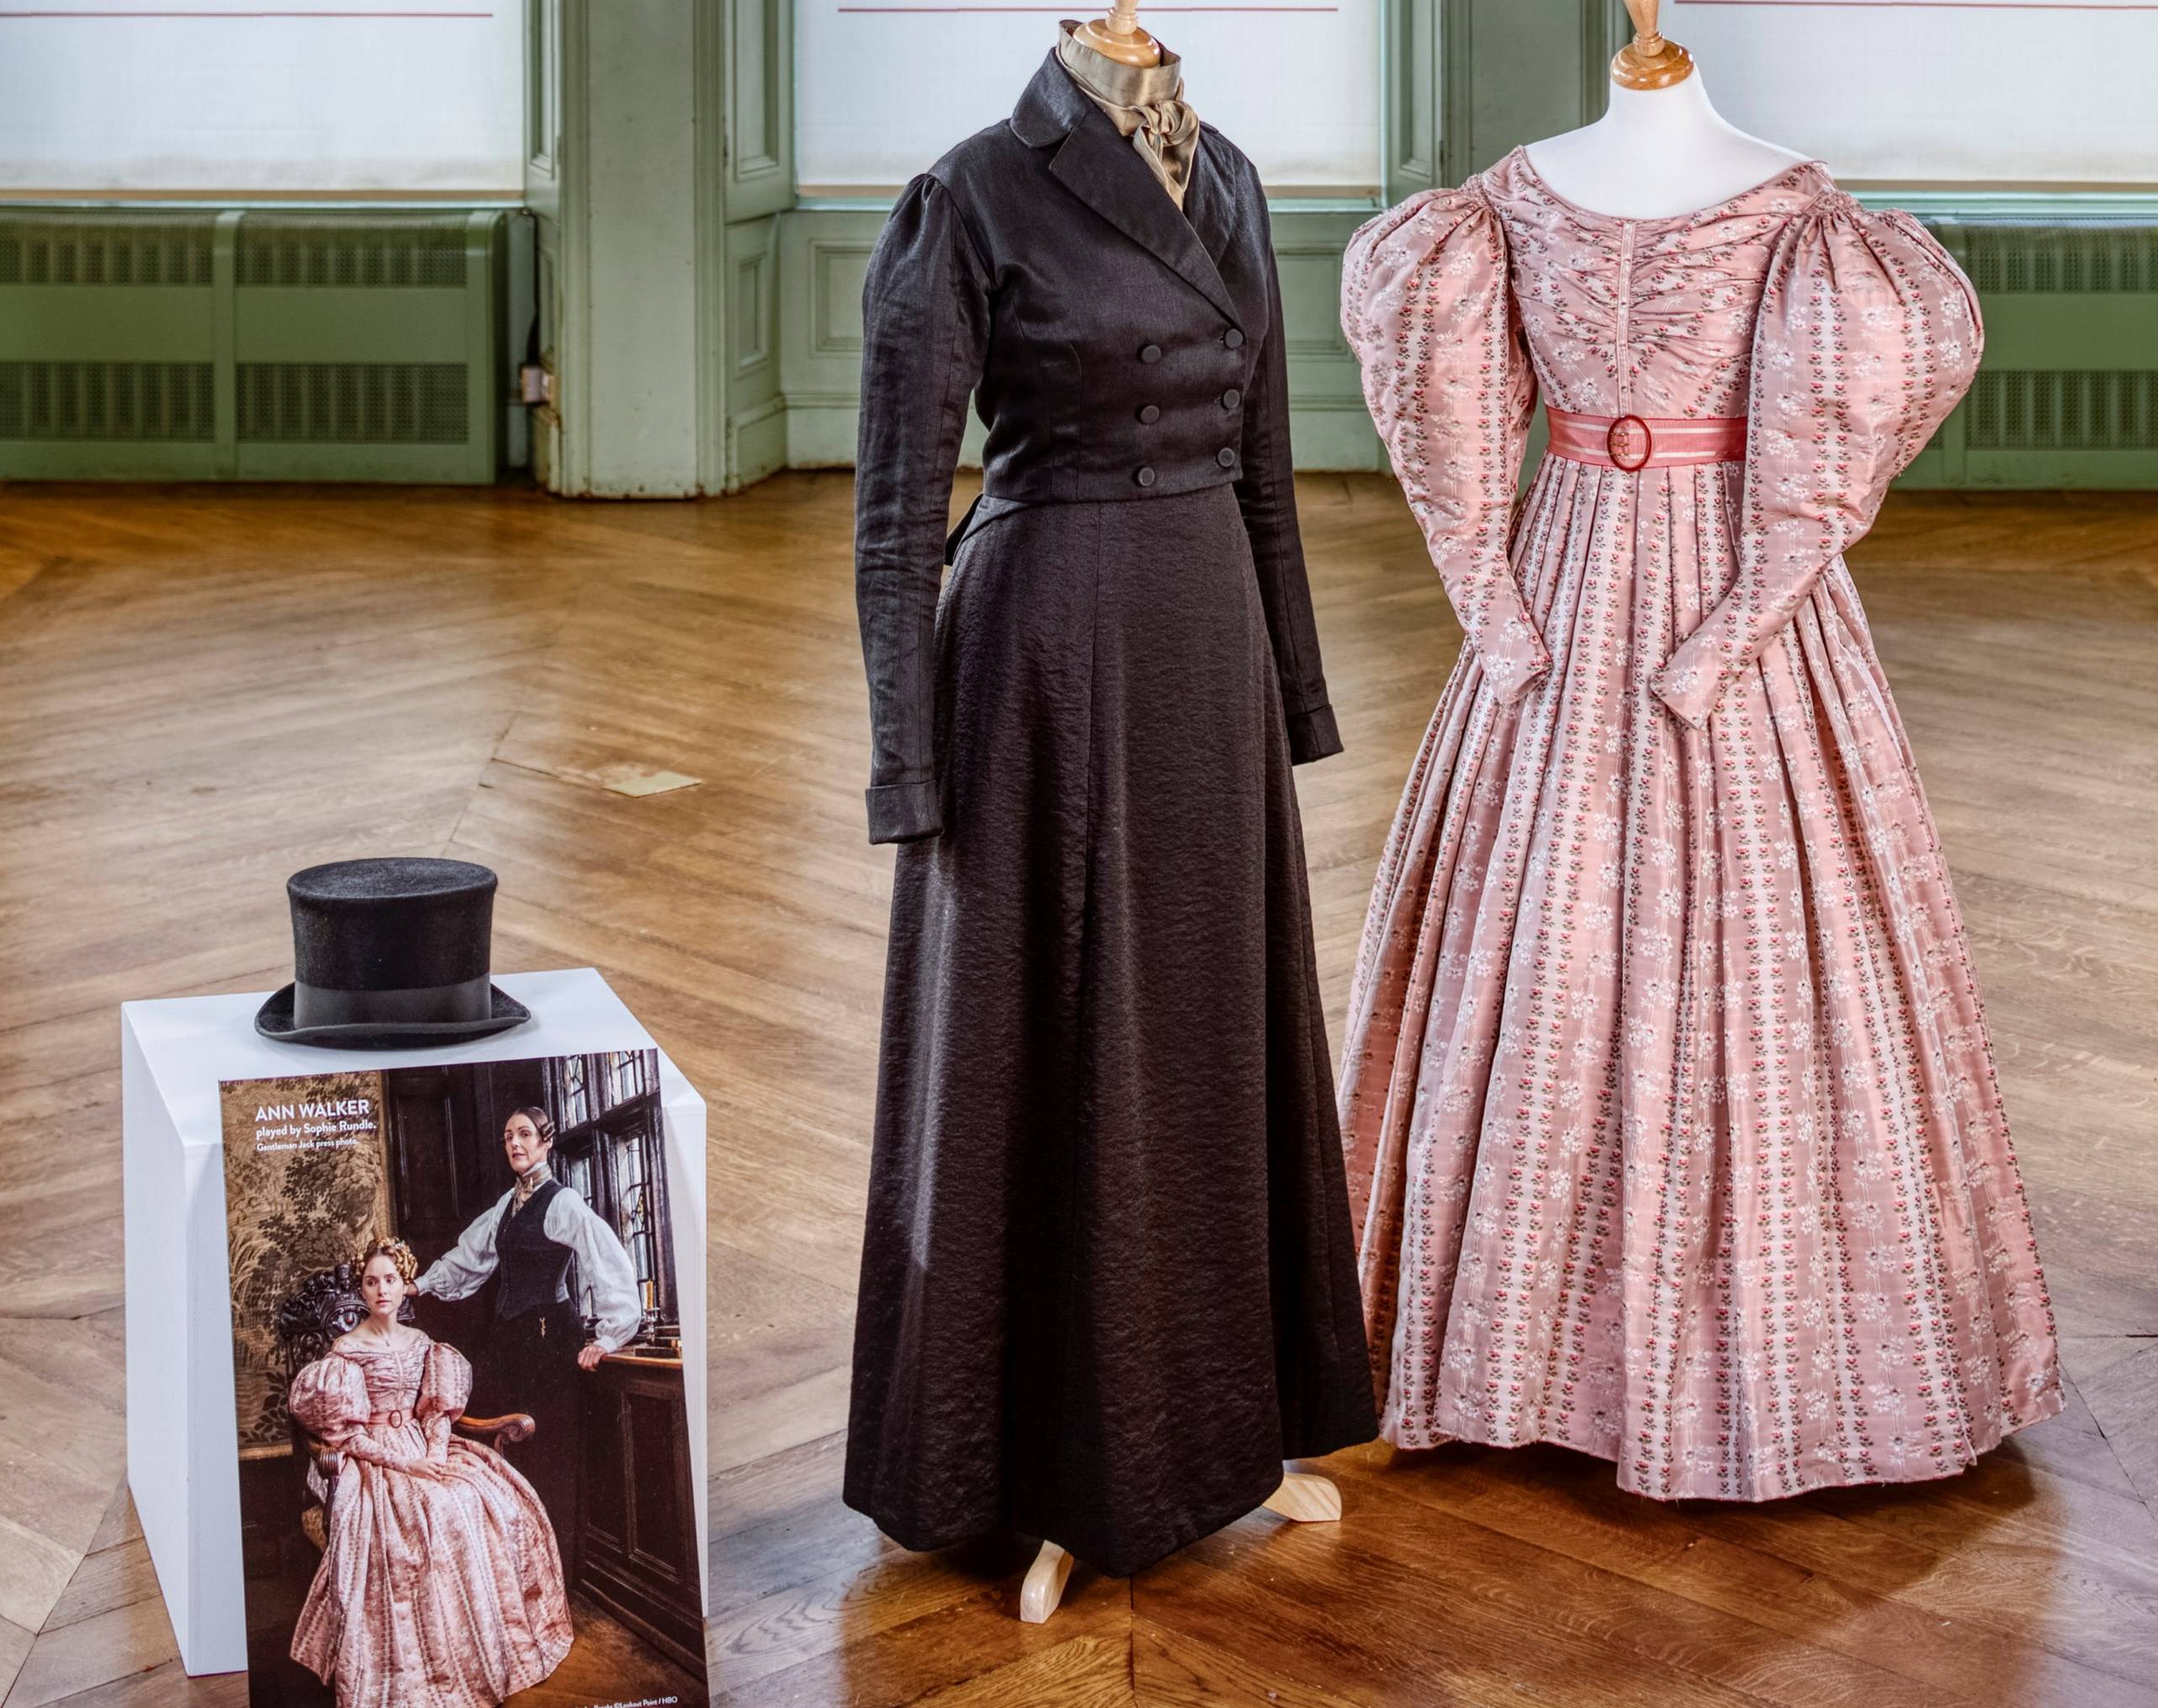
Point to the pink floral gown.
(1671, 1119)
(432, 1594)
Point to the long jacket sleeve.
(1266, 493)
(1866, 336)
(924, 324)
(1426, 307)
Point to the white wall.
(1918, 92)
(432, 99)
(884, 86)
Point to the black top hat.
(389, 953)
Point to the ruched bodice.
(390, 1379)
(1651, 317)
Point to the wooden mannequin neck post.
(1119, 37)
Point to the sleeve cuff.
(1687, 690)
(1514, 665)
(901, 812)
(1312, 735)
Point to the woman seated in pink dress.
(440, 1586)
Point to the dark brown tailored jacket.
(1118, 349)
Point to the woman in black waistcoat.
(535, 1346)
(1107, 1281)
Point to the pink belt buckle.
(1628, 436)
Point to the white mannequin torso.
(1655, 154)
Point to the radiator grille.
(368, 249)
(139, 249)
(354, 403)
(2003, 259)
(2091, 410)
(163, 401)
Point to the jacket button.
(1233, 338)
(1225, 457)
(1145, 477)
(1150, 352)
(1231, 398)
(1150, 414)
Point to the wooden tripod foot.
(1307, 1498)
(1044, 1587)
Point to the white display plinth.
(182, 1436)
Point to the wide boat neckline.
(1528, 166)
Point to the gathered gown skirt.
(1108, 1282)
(1672, 1126)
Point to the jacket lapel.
(1104, 172)
(1207, 203)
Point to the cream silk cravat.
(1145, 102)
(526, 1184)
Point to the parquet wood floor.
(202, 690)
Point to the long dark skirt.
(1107, 1283)
(529, 1364)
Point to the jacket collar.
(1104, 171)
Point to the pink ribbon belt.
(391, 1419)
(1631, 442)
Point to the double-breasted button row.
(1149, 413)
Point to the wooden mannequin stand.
(1303, 1498)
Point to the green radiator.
(273, 344)
(2067, 395)
(251, 344)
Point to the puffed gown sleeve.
(328, 1399)
(1266, 494)
(445, 1391)
(1425, 306)
(925, 337)
(1866, 336)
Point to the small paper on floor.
(627, 779)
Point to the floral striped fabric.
(1671, 1118)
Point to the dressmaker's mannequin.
(1660, 148)
(1301, 1496)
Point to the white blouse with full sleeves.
(609, 1280)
